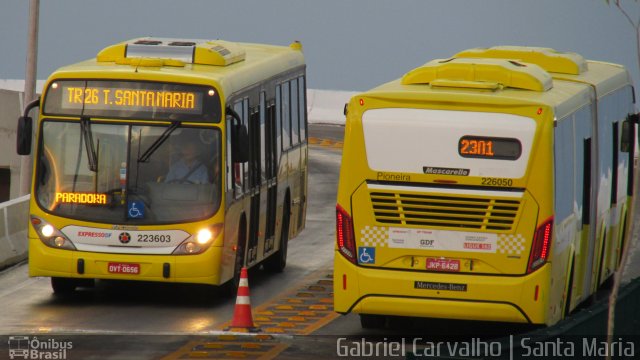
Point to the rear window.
(448, 142)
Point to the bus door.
(271, 172)
(254, 184)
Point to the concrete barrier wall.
(14, 218)
(327, 106)
(10, 109)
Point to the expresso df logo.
(124, 237)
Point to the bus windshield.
(176, 182)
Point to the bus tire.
(369, 321)
(278, 261)
(62, 286)
(232, 285)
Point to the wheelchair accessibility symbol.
(136, 209)
(366, 255)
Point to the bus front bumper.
(367, 290)
(203, 268)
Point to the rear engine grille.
(459, 212)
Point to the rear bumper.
(476, 297)
(198, 269)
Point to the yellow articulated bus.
(494, 185)
(168, 160)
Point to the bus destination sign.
(471, 146)
(133, 99)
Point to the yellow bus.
(169, 160)
(494, 186)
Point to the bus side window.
(614, 162)
(278, 126)
(302, 108)
(564, 168)
(582, 151)
(295, 125)
(237, 140)
(245, 165)
(229, 162)
(263, 137)
(286, 118)
(586, 182)
(273, 141)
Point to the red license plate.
(124, 268)
(443, 264)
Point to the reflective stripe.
(243, 300)
(243, 282)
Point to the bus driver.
(188, 168)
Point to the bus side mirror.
(240, 144)
(23, 140)
(25, 129)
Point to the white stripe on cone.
(243, 300)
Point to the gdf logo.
(124, 237)
(426, 243)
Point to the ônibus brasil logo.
(25, 347)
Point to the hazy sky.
(348, 44)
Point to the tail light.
(541, 245)
(344, 234)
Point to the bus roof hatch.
(177, 51)
(488, 74)
(547, 58)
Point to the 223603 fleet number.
(497, 181)
(154, 238)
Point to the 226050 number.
(497, 182)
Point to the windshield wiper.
(159, 141)
(87, 135)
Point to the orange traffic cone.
(242, 317)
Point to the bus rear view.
(446, 202)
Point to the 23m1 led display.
(470, 146)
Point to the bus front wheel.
(63, 286)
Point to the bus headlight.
(199, 242)
(204, 236)
(59, 241)
(50, 236)
(47, 230)
(192, 248)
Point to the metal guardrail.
(14, 216)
